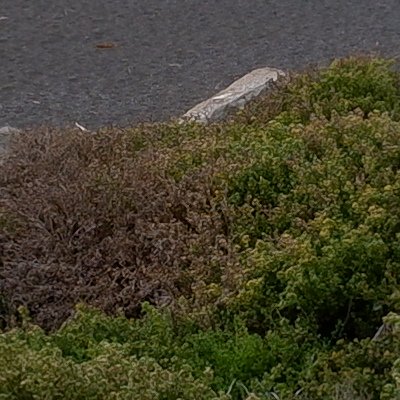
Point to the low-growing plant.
(255, 258)
(363, 82)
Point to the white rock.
(5, 134)
(234, 96)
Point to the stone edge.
(234, 96)
(198, 113)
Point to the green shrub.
(251, 259)
(323, 225)
(95, 356)
(29, 373)
(364, 83)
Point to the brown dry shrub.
(98, 219)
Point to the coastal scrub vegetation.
(254, 258)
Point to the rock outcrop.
(234, 96)
(5, 134)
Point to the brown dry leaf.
(106, 45)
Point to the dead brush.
(102, 223)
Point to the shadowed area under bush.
(252, 259)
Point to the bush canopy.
(256, 258)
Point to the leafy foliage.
(257, 258)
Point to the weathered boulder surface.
(234, 96)
(5, 134)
